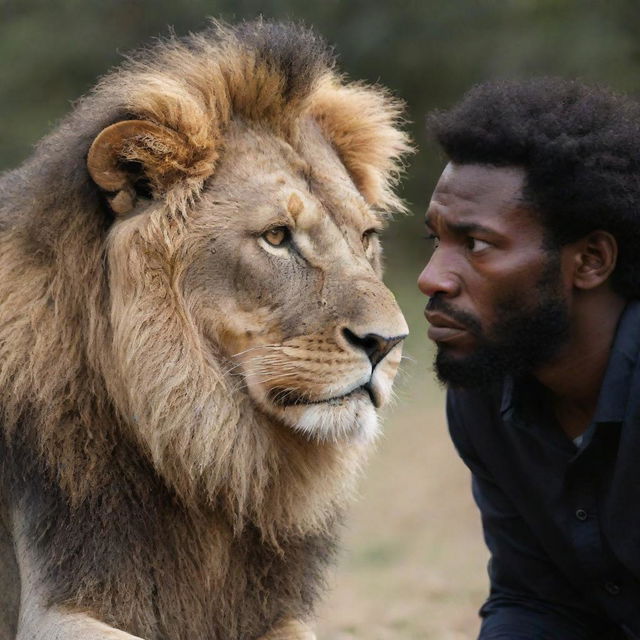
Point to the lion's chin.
(352, 418)
(349, 414)
(355, 419)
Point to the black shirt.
(562, 522)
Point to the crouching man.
(533, 291)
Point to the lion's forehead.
(265, 176)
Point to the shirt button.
(612, 588)
(581, 514)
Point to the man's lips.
(442, 327)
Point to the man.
(533, 291)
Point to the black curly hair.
(579, 147)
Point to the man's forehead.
(466, 186)
(478, 182)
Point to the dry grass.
(413, 565)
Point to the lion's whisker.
(262, 346)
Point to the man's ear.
(595, 259)
(136, 158)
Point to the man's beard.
(522, 337)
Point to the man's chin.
(522, 338)
(466, 371)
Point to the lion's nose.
(375, 346)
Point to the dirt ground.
(413, 561)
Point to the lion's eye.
(277, 236)
(366, 237)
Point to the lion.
(194, 340)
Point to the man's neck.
(575, 376)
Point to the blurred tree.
(427, 51)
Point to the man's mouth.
(443, 328)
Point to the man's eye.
(475, 246)
(277, 236)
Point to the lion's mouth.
(285, 397)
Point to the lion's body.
(158, 570)
(154, 476)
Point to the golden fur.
(174, 389)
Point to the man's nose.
(436, 277)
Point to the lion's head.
(210, 280)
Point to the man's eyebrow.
(468, 227)
(462, 228)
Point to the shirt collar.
(614, 392)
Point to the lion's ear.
(135, 157)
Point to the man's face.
(496, 303)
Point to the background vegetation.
(413, 565)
